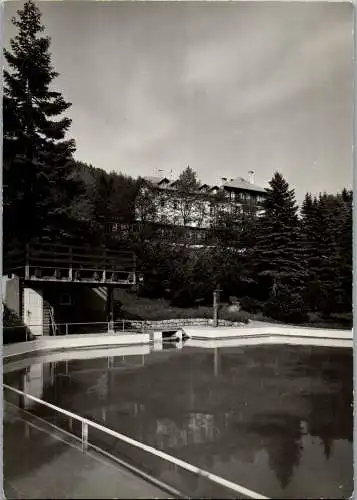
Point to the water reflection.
(277, 419)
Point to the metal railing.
(122, 326)
(52, 319)
(117, 327)
(87, 424)
(114, 327)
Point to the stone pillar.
(216, 298)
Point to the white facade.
(164, 204)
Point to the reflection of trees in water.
(332, 365)
(282, 438)
(179, 403)
(331, 415)
(327, 444)
(331, 418)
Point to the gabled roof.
(243, 184)
(239, 184)
(156, 180)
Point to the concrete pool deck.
(100, 340)
(256, 328)
(254, 333)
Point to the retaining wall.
(181, 322)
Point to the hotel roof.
(238, 184)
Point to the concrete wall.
(11, 293)
(87, 304)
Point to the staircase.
(49, 325)
(101, 292)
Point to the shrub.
(14, 330)
(286, 306)
(237, 316)
(250, 305)
(182, 298)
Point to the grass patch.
(144, 308)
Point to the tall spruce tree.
(311, 240)
(327, 235)
(276, 253)
(189, 204)
(276, 257)
(346, 248)
(38, 163)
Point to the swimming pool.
(276, 419)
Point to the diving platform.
(47, 262)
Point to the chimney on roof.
(251, 176)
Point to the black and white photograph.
(177, 257)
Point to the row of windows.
(242, 197)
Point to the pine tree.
(327, 234)
(38, 162)
(189, 204)
(311, 239)
(346, 248)
(276, 256)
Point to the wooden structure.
(57, 282)
(48, 262)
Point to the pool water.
(274, 419)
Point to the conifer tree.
(327, 236)
(276, 256)
(346, 248)
(189, 205)
(311, 239)
(38, 163)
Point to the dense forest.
(288, 263)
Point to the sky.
(223, 87)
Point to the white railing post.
(144, 447)
(108, 326)
(66, 326)
(70, 270)
(123, 325)
(84, 436)
(27, 264)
